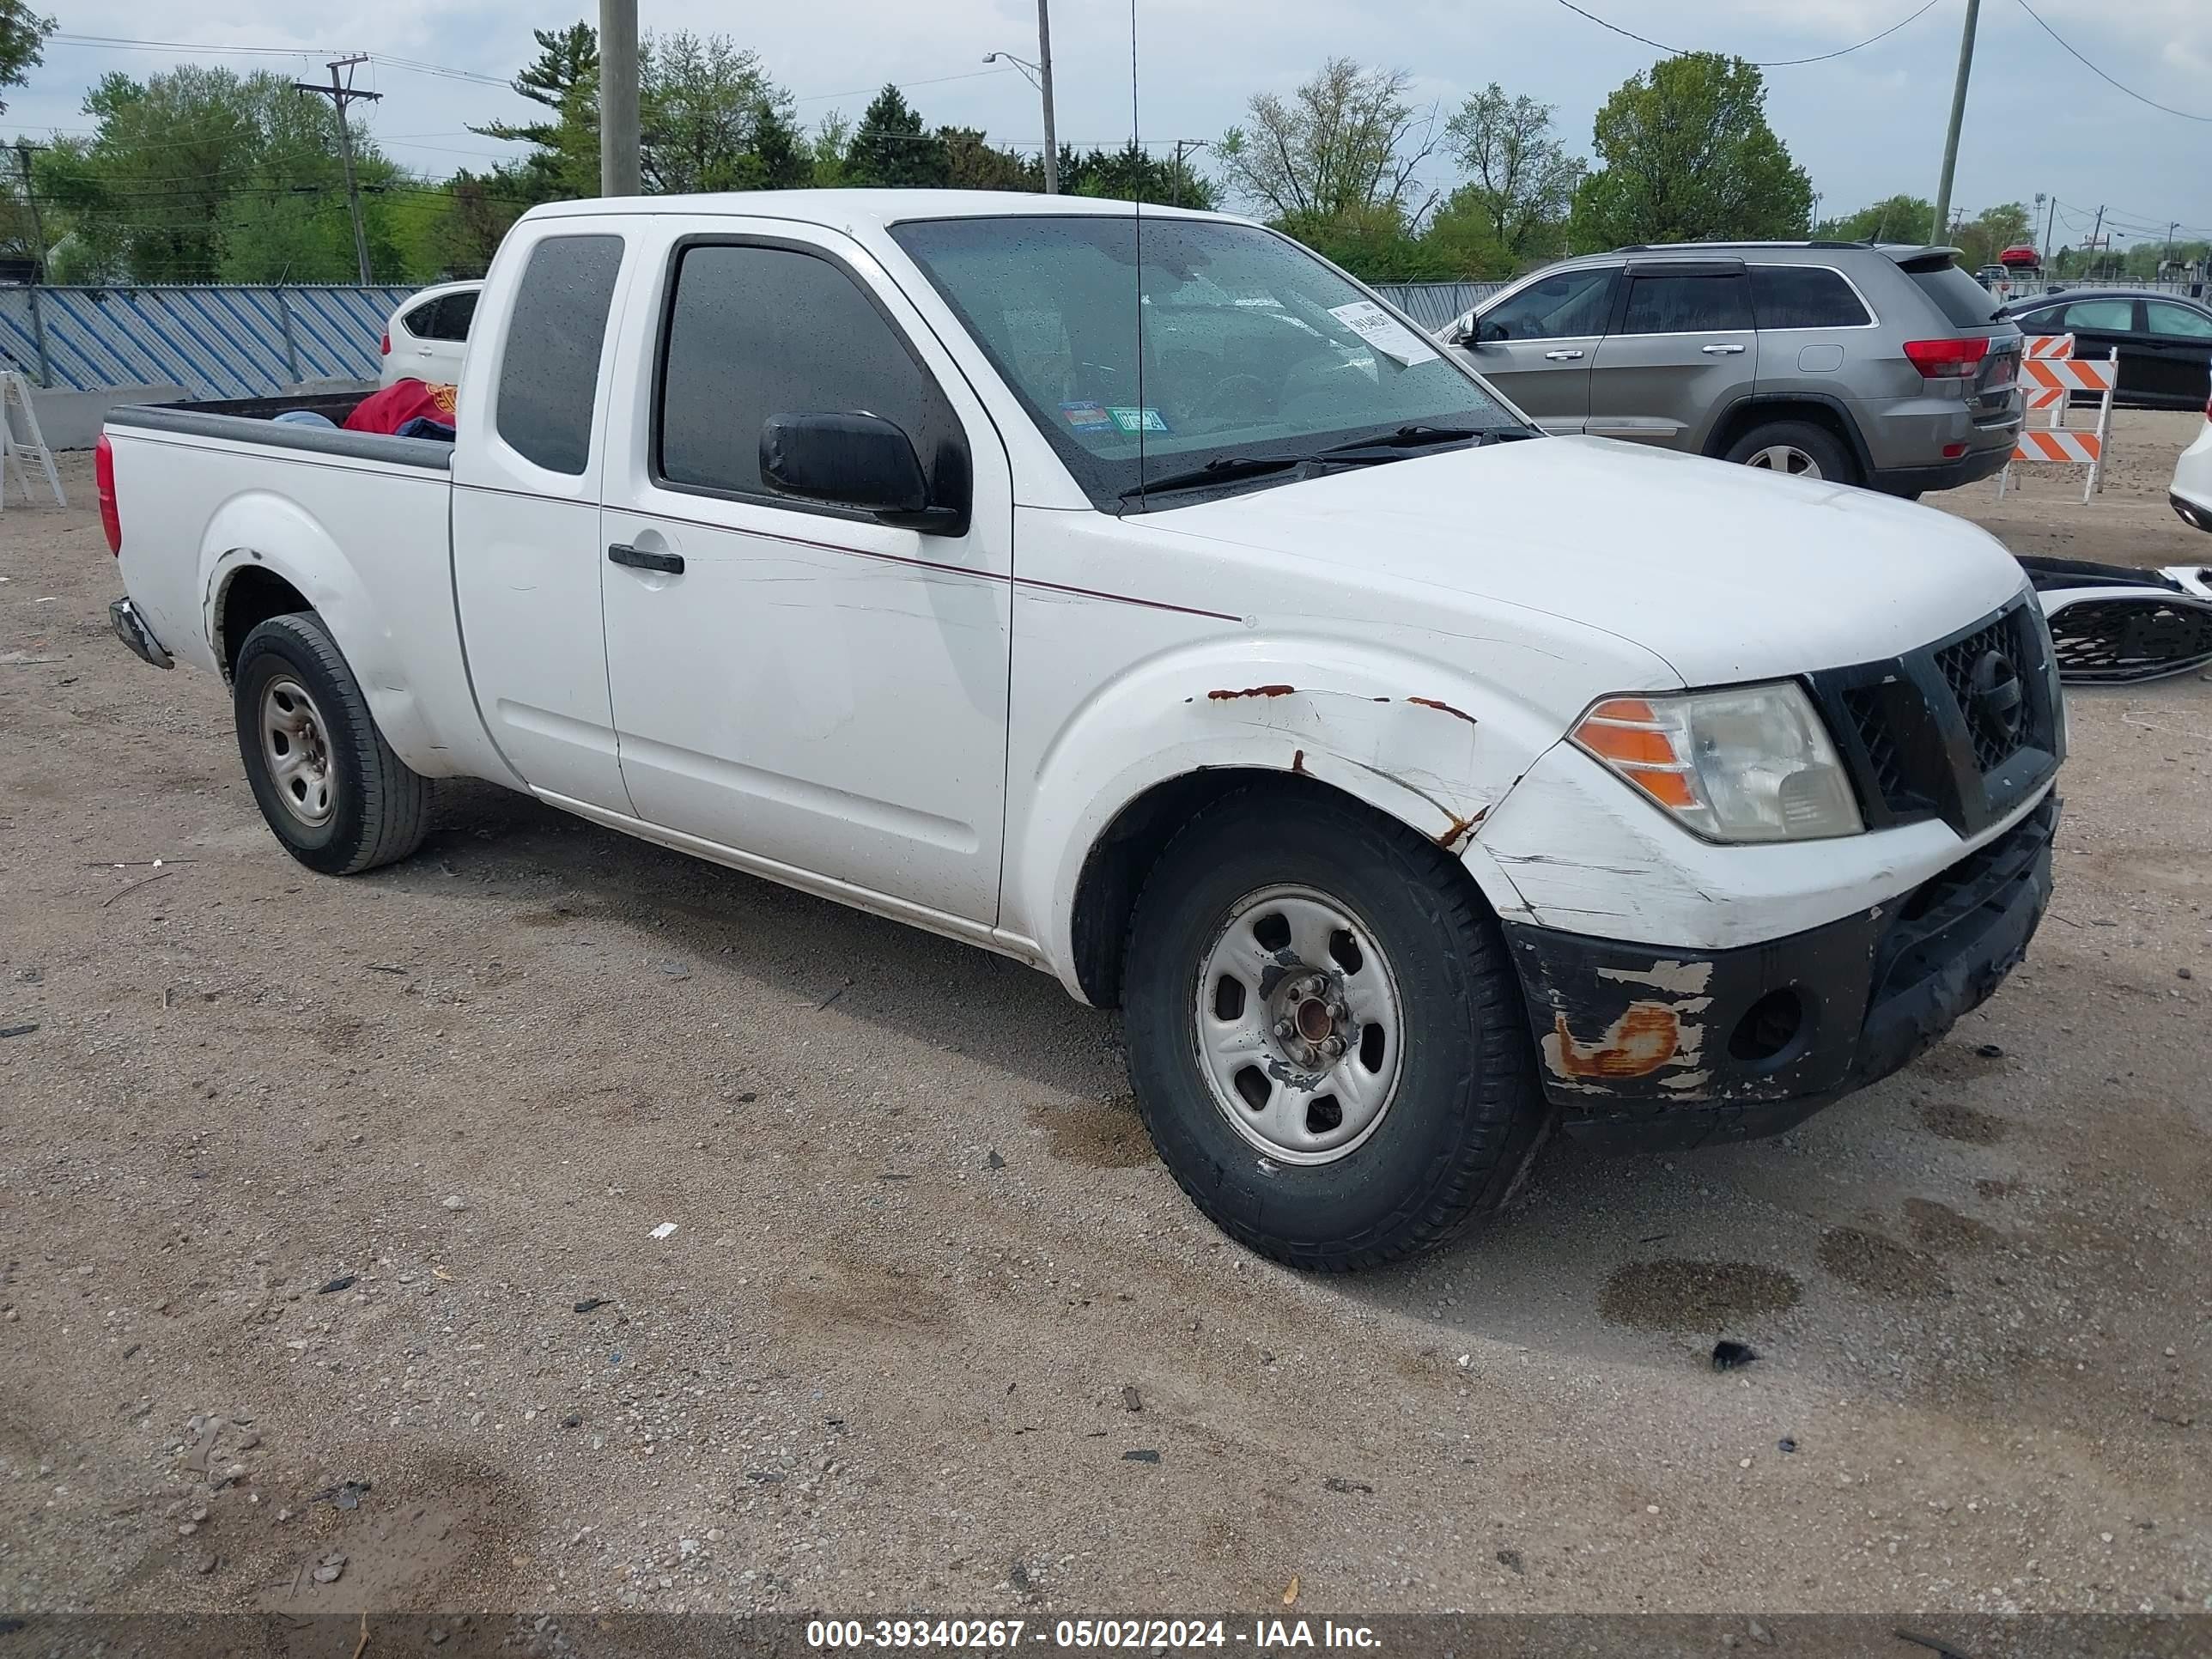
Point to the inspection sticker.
(1087, 417)
(1130, 419)
(1384, 331)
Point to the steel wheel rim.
(295, 746)
(1784, 458)
(1302, 1057)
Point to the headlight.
(1752, 763)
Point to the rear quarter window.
(549, 376)
(1964, 302)
(1804, 296)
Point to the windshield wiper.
(1223, 469)
(1418, 436)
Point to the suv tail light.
(1946, 359)
(385, 349)
(103, 481)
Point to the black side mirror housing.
(861, 461)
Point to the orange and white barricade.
(2048, 380)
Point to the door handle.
(639, 559)
(1562, 356)
(1720, 350)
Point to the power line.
(2168, 108)
(1771, 62)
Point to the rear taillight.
(1946, 359)
(103, 484)
(385, 349)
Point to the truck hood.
(1727, 572)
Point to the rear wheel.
(1798, 448)
(326, 781)
(1327, 1040)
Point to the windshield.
(1253, 349)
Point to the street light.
(1039, 75)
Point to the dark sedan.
(2165, 341)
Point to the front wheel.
(326, 781)
(1326, 1038)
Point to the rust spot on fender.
(1298, 762)
(1251, 692)
(1638, 1043)
(1460, 829)
(1442, 708)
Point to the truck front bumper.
(1644, 1048)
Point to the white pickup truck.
(1135, 594)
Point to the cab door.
(1683, 351)
(2177, 350)
(818, 691)
(1536, 345)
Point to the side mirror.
(855, 460)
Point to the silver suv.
(1880, 366)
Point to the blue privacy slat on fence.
(1434, 304)
(215, 342)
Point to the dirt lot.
(330, 1212)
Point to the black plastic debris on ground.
(1785, 1445)
(17, 1030)
(1140, 1457)
(1511, 1559)
(346, 1494)
(1729, 1356)
(343, 1282)
(1338, 1483)
(1990, 1051)
(591, 1301)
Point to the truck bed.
(254, 421)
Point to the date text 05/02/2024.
(1008, 1635)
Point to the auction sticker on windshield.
(1130, 420)
(1384, 331)
(1087, 417)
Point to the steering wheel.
(1235, 394)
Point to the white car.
(1003, 565)
(2191, 490)
(425, 338)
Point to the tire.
(1813, 451)
(1460, 1115)
(351, 803)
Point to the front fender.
(260, 530)
(1423, 743)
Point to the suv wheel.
(1327, 1040)
(1797, 448)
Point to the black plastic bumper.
(1644, 1049)
(2199, 518)
(131, 629)
(1971, 468)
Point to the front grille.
(2138, 638)
(1997, 739)
(1962, 729)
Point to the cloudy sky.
(1865, 126)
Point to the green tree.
(201, 175)
(1132, 175)
(973, 162)
(1461, 235)
(1990, 232)
(22, 42)
(1684, 154)
(702, 103)
(1892, 219)
(890, 149)
(1345, 144)
(1524, 179)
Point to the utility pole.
(2096, 237)
(2043, 257)
(340, 95)
(1175, 183)
(1044, 79)
(1958, 117)
(2166, 258)
(23, 148)
(620, 173)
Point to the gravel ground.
(338, 1272)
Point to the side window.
(548, 379)
(2166, 318)
(755, 331)
(1804, 296)
(422, 321)
(2107, 314)
(1572, 305)
(456, 312)
(1687, 305)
